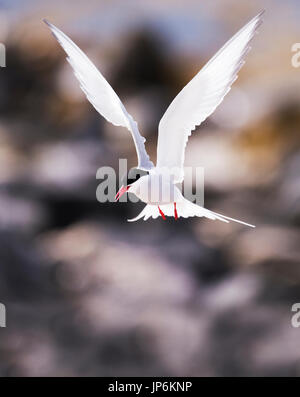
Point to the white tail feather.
(234, 220)
(185, 209)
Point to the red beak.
(122, 190)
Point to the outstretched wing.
(100, 94)
(199, 98)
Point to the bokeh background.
(88, 294)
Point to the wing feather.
(199, 98)
(100, 94)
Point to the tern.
(195, 102)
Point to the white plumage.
(197, 101)
(101, 94)
(200, 97)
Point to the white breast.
(156, 190)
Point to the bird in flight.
(196, 101)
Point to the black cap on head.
(133, 175)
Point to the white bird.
(197, 101)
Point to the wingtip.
(50, 25)
(257, 21)
(46, 22)
(260, 16)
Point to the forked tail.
(184, 209)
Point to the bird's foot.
(175, 212)
(161, 213)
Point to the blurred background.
(88, 294)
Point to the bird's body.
(164, 198)
(197, 101)
(156, 189)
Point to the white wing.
(100, 94)
(199, 98)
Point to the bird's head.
(128, 180)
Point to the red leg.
(161, 213)
(175, 212)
